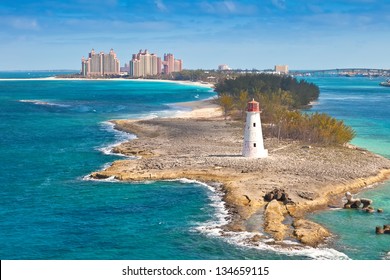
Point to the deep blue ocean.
(53, 133)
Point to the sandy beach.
(201, 145)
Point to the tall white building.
(253, 134)
(223, 67)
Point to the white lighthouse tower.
(253, 136)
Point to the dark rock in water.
(379, 230)
(380, 210)
(382, 230)
(366, 202)
(356, 204)
(369, 210)
(99, 176)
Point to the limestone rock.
(310, 233)
(273, 220)
(256, 238)
(356, 202)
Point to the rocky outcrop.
(310, 233)
(273, 220)
(279, 195)
(357, 202)
(380, 230)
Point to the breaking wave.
(120, 137)
(43, 103)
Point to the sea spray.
(221, 214)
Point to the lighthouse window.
(254, 145)
(254, 124)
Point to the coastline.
(207, 149)
(189, 83)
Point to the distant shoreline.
(190, 83)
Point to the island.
(203, 146)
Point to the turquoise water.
(54, 133)
(365, 106)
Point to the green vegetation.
(300, 93)
(280, 98)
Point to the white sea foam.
(120, 136)
(110, 179)
(289, 248)
(43, 103)
(214, 228)
(169, 113)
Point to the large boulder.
(380, 230)
(366, 202)
(357, 202)
(310, 233)
(273, 220)
(279, 195)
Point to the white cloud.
(21, 23)
(281, 4)
(160, 5)
(230, 6)
(226, 7)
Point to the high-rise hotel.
(100, 64)
(146, 64)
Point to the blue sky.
(305, 34)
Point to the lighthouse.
(253, 135)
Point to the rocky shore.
(209, 150)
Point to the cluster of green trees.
(190, 75)
(311, 128)
(280, 109)
(300, 91)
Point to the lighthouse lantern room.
(253, 135)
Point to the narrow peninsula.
(203, 146)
